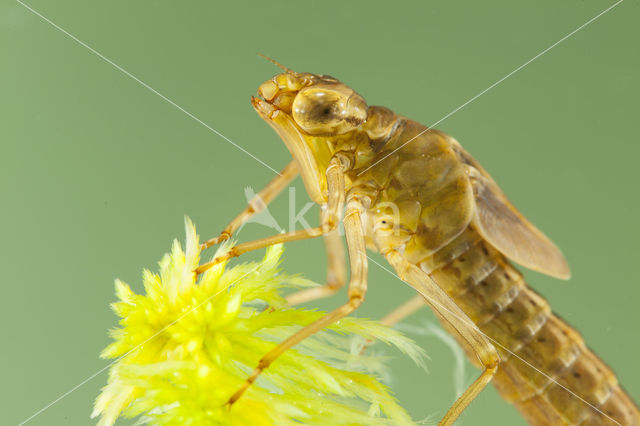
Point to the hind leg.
(398, 314)
(336, 272)
(401, 312)
(447, 309)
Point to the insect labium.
(417, 197)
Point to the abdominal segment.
(546, 369)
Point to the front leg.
(257, 203)
(235, 251)
(357, 282)
(330, 219)
(336, 268)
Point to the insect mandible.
(414, 195)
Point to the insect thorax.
(417, 194)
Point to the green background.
(96, 171)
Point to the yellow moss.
(188, 344)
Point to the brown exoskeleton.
(416, 196)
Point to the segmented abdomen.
(546, 370)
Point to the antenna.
(276, 63)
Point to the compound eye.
(318, 110)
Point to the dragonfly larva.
(417, 197)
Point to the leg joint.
(262, 364)
(355, 301)
(334, 283)
(330, 224)
(493, 365)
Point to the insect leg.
(330, 218)
(302, 234)
(257, 203)
(336, 272)
(357, 289)
(401, 312)
(398, 314)
(447, 309)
